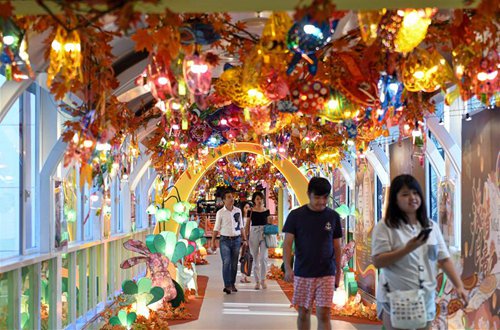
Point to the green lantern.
(163, 214)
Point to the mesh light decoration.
(65, 56)
(425, 71)
(229, 85)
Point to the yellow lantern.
(404, 29)
(65, 56)
(424, 71)
(337, 108)
(368, 24)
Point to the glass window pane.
(70, 203)
(65, 288)
(10, 182)
(45, 287)
(4, 299)
(26, 298)
(32, 228)
(433, 194)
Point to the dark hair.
(319, 186)
(257, 194)
(225, 192)
(242, 207)
(393, 214)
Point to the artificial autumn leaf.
(143, 40)
(85, 175)
(6, 9)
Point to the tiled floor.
(248, 308)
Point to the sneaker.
(264, 285)
(233, 289)
(227, 290)
(257, 286)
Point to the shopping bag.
(271, 241)
(246, 261)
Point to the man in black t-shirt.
(316, 231)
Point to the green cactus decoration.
(142, 292)
(124, 319)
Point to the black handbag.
(246, 261)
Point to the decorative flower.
(215, 140)
(287, 106)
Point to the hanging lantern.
(337, 108)
(273, 41)
(21, 67)
(14, 58)
(390, 94)
(477, 73)
(65, 56)
(305, 37)
(158, 79)
(424, 71)
(368, 24)
(229, 85)
(310, 97)
(197, 74)
(11, 34)
(404, 29)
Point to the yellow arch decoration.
(188, 180)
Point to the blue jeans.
(229, 251)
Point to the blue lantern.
(305, 38)
(390, 92)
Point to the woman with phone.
(407, 247)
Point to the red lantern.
(197, 74)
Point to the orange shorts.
(307, 290)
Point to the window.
(18, 173)
(433, 194)
(438, 145)
(380, 198)
(10, 181)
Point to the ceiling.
(31, 7)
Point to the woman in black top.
(259, 217)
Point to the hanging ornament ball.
(307, 36)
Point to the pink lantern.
(197, 74)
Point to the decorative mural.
(406, 158)
(446, 192)
(481, 220)
(364, 192)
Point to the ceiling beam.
(30, 7)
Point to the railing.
(65, 289)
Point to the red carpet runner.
(288, 290)
(194, 305)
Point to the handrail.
(31, 259)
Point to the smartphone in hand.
(424, 234)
